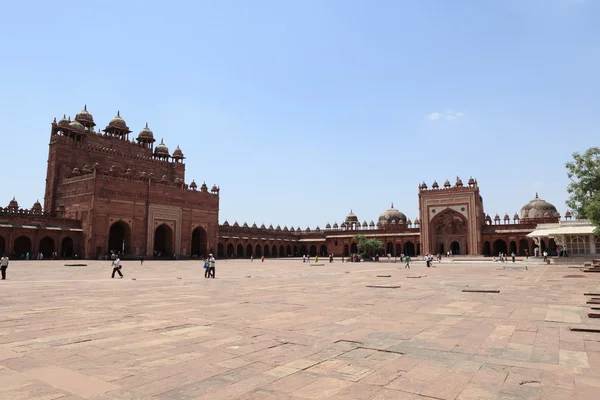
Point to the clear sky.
(302, 110)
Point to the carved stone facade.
(123, 195)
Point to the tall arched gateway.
(119, 238)
(163, 241)
(199, 243)
(449, 232)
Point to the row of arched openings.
(47, 246)
(119, 240)
(251, 250)
(395, 249)
(500, 246)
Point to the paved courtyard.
(285, 330)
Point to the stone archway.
(67, 247)
(2, 245)
(390, 249)
(266, 251)
(282, 251)
(449, 231)
(46, 246)
(289, 250)
(240, 251)
(487, 248)
(258, 251)
(500, 247)
(199, 243)
(119, 238)
(346, 251)
(163, 241)
(313, 250)
(324, 250)
(523, 245)
(22, 246)
(249, 251)
(220, 250)
(409, 249)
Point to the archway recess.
(119, 238)
(163, 241)
(449, 231)
(199, 242)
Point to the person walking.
(211, 266)
(513, 256)
(407, 259)
(4, 265)
(206, 268)
(116, 263)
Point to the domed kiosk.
(392, 216)
(537, 208)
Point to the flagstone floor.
(286, 330)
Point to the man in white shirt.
(4, 265)
(116, 263)
(211, 266)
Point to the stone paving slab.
(285, 330)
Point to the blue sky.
(303, 110)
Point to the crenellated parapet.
(458, 184)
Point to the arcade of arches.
(24, 246)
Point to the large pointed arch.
(449, 231)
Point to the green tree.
(368, 246)
(584, 189)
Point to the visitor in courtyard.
(331, 258)
(262, 259)
(527, 253)
(142, 260)
(513, 256)
(4, 265)
(206, 267)
(407, 258)
(211, 266)
(545, 254)
(316, 259)
(251, 258)
(427, 260)
(116, 264)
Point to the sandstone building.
(110, 191)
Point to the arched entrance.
(230, 250)
(67, 247)
(353, 248)
(323, 250)
(512, 247)
(455, 247)
(303, 250)
(220, 250)
(258, 251)
(46, 247)
(163, 241)
(199, 243)
(523, 245)
(274, 251)
(22, 246)
(346, 251)
(448, 232)
(249, 251)
(313, 250)
(487, 249)
(289, 251)
(409, 249)
(295, 250)
(390, 249)
(267, 253)
(282, 251)
(240, 250)
(500, 247)
(119, 238)
(2, 245)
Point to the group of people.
(209, 266)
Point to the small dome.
(161, 150)
(204, 188)
(236, 225)
(371, 224)
(75, 171)
(278, 228)
(317, 229)
(13, 203)
(364, 224)
(459, 182)
(536, 208)
(245, 225)
(417, 221)
(37, 206)
(178, 154)
(497, 218)
(194, 186)
(285, 228)
(214, 189)
(226, 223)
(516, 217)
(447, 184)
(435, 185)
(308, 229)
(76, 126)
(254, 226)
(63, 121)
(506, 217)
(335, 225)
(270, 227)
(351, 217)
(392, 215)
(85, 117)
(118, 122)
(423, 186)
(568, 214)
(292, 229)
(146, 135)
(328, 226)
(262, 226)
(409, 222)
(471, 181)
(488, 218)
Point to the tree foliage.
(584, 189)
(368, 246)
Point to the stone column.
(593, 250)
